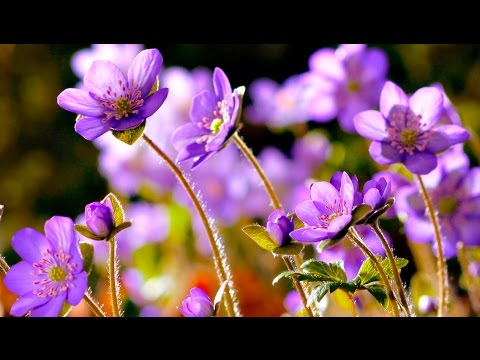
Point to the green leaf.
(308, 252)
(285, 274)
(360, 213)
(325, 271)
(368, 273)
(65, 310)
(85, 231)
(290, 249)
(87, 251)
(318, 293)
(399, 262)
(326, 244)
(334, 285)
(122, 226)
(130, 136)
(379, 293)
(118, 214)
(261, 236)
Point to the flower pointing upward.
(112, 101)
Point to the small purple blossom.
(197, 304)
(112, 100)
(406, 130)
(213, 115)
(449, 114)
(329, 209)
(279, 227)
(51, 270)
(396, 181)
(455, 193)
(427, 305)
(309, 153)
(99, 218)
(350, 254)
(376, 193)
(344, 82)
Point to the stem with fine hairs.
(298, 286)
(219, 257)
(3, 265)
(113, 276)
(96, 309)
(441, 264)
(391, 258)
(357, 240)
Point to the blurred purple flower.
(455, 193)
(197, 304)
(330, 209)
(309, 153)
(344, 82)
(406, 130)
(150, 311)
(427, 305)
(278, 105)
(449, 114)
(279, 227)
(121, 55)
(293, 302)
(51, 270)
(112, 101)
(213, 116)
(351, 255)
(474, 268)
(99, 218)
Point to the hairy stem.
(216, 243)
(113, 276)
(393, 265)
(96, 309)
(3, 265)
(298, 286)
(441, 264)
(357, 240)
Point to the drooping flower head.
(329, 209)
(213, 116)
(99, 218)
(396, 181)
(407, 130)
(112, 100)
(376, 193)
(51, 270)
(455, 193)
(197, 304)
(344, 82)
(279, 227)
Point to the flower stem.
(266, 183)
(3, 265)
(357, 240)
(401, 290)
(275, 202)
(441, 264)
(472, 289)
(216, 243)
(113, 276)
(298, 286)
(96, 309)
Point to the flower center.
(216, 125)
(447, 205)
(353, 86)
(121, 105)
(406, 132)
(215, 122)
(57, 274)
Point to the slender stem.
(96, 309)
(216, 243)
(357, 240)
(441, 264)
(305, 285)
(393, 265)
(472, 288)
(3, 265)
(298, 286)
(268, 185)
(113, 274)
(275, 202)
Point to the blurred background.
(47, 169)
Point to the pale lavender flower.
(197, 304)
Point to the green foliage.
(290, 249)
(261, 236)
(87, 251)
(118, 213)
(130, 136)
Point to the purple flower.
(396, 181)
(213, 115)
(406, 130)
(293, 302)
(427, 304)
(121, 55)
(278, 105)
(51, 270)
(329, 210)
(197, 304)
(344, 82)
(449, 114)
(309, 153)
(112, 101)
(376, 193)
(279, 227)
(99, 218)
(455, 193)
(350, 254)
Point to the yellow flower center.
(447, 205)
(409, 138)
(57, 274)
(353, 86)
(216, 125)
